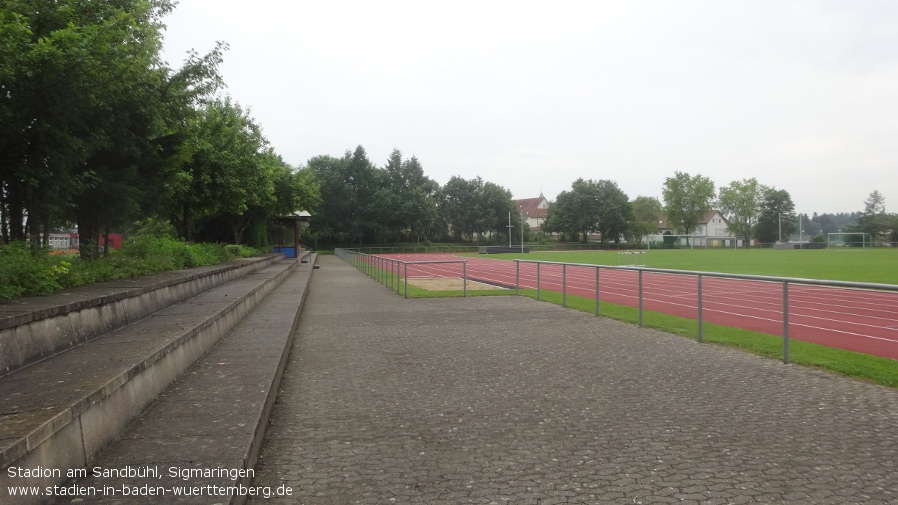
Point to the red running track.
(857, 320)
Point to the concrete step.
(34, 328)
(57, 414)
(204, 434)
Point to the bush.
(25, 274)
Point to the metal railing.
(784, 281)
(394, 273)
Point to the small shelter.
(285, 236)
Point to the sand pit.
(449, 284)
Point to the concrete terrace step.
(57, 414)
(212, 419)
(36, 327)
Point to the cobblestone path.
(507, 400)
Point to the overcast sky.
(802, 95)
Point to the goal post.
(849, 241)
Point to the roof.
(530, 207)
(662, 219)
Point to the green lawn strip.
(876, 265)
(416, 292)
(883, 371)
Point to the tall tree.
(874, 219)
(348, 185)
(741, 203)
(647, 213)
(407, 203)
(225, 172)
(494, 208)
(614, 211)
(83, 103)
(336, 199)
(590, 207)
(581, 208)
(460, 206)
(687, 200)
(777, 220)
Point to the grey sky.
(802, 95)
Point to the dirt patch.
(449, 284)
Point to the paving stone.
(507, 400)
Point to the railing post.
(537, 281)
(700, 334)
(597, 290)
(564, 285)
(406, 280)
(464, 278)
(517, 277)
(786, 322)
(640, 298)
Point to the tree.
(349, 205)
(407, 202)
(336, 198)
(647, 213)
(85, 111)
(226, 172)
(76, 63)
(874, 219)
(741, 203)
(495, 205)
(614, 211)
(472, 208)
(687, 200)
(590, 207)
(559, 217)
(777, 219)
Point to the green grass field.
(876, 265)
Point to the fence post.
(640, 298)
(700, 333)
(517, 277)
(464, 278)
(597, 290)
(564, 285)
(786, 322)
(406, 280)
(537, 282)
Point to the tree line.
(753, 211)
(363, 203)
(96, 131)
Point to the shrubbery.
(24, 274)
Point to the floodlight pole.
(509, 230)
(780, 226)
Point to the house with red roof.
(533, 210)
